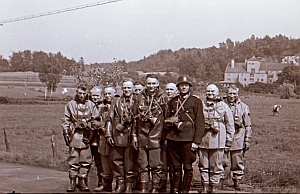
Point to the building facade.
(252, 71)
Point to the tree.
(4, 64)
(50, 69)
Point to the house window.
(252, 70)
(251, 79)
(245, 79)
(262, 80)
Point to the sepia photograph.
(149, 96)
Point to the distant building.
(252, 71)
(291, 59)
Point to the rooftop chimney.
(232, 63)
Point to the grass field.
(272, 163)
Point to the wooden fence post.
(6, 142)
(53, 143)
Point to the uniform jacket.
(146, 107)
(120, 114)
(75, 112)
(193, 127)
(220, 116)
(104, 108)
(241, 114)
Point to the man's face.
(171, 90)
(81, 94)
(184, 88)
(127, 88)
(96, 97)
(212, 91)
(109, 93)
(138, 89)
(232, 95)
(152, 84)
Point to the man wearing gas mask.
(118, 132)
(242, 135)
(78, 135)
(185, 128)
(149, 112)
(218, 135)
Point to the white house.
(252, 71)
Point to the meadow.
(272, 163)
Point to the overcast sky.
(132, 29)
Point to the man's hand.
(67, 139)
(246, 146)
(226, 150)
(98, 124)
(110, 141)
(194, 147)
(134, 143)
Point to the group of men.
(147, 135)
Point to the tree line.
(206, 65)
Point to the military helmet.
(184, 79)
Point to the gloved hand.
(134, 143)
(194, 147)
(67, 139)
(246, 146)
(110, 141)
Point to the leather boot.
(107, 185)
(236, 184)
(120, 185)
(162, 186)
(187, 181)
(221, 184)
(214, 188)
(82, 184)
(176, 182)
(72, 186)
(144, 187)
(155, 187)
(205, 187)
(128, 188)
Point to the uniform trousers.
(122, 163)
(79, 161)
(210, 165)
(149, 158)
(180, 154)
(165, 164)
(97, 159)
(107, 172)
(237, 164)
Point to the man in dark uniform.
(118, 137)
(149, 110)
(185, 129)
(78, 134)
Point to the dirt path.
(20, 178)
(23, 179)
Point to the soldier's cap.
(184, 79)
